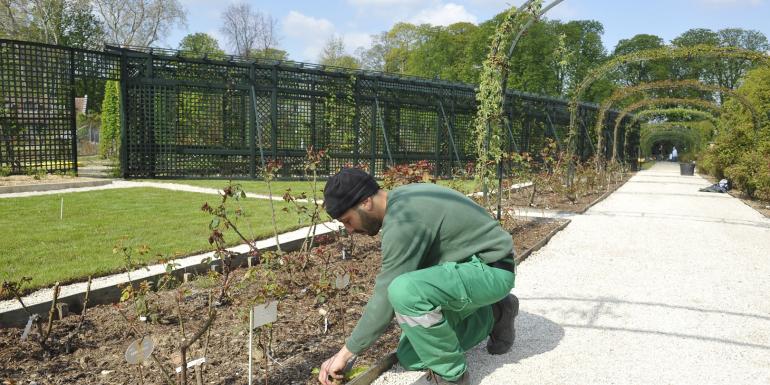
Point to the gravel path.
(657, 284)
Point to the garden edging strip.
(542, 242)
(106, 290)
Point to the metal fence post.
(123, 148)
(73, 113)
(252, 124)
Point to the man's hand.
(332, 368)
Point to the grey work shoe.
(503, 333)
(431, 378)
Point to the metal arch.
(449, 129)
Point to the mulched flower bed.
(550, 200)
(20, 180)
(313, 320)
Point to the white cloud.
(564, 11)
(311, 33)
(355, 40)
(298, 25)
(444, 15)
(385, 3)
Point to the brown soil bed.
(549, 200)
(527, 233)
(22, 180)
(299, 341)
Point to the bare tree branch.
(139, 22)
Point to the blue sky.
(304, 25)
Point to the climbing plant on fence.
(676, 115)
(656, 103)
(702, 51)
(682, 114)
(691, 136)
(625, 92)
(489, 121)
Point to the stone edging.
(105, 290)
(51, 186)
(374, 372)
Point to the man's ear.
(368, 203)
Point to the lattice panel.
(36, 114)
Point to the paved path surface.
(657, 284)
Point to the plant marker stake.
(28, 328)
(198, 375)
(267, 313)
(141, 374)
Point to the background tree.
(200, 44)
(250, 32)
(139, 22)
(583, 50)
(729, 72)
(334, 54)
(643, 72)
(373, 58)
(109, 134)
(726, 72)
(66, 22)
(694, 68)
(271, 53)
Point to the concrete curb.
(374, 372)
(51, 186)
(105, 290)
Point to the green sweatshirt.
(425, 225)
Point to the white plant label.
(139, 350)
(263, 314)
(342, 281)
(27, 328)
(193, 363)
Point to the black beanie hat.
(346, 189)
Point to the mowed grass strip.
(37, 244)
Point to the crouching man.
(446, 275)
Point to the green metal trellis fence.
(204, 117)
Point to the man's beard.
(370, 224)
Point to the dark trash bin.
(686, 168)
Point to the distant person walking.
(674, 155)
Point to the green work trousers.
(444, 311)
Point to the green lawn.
(36, 243)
